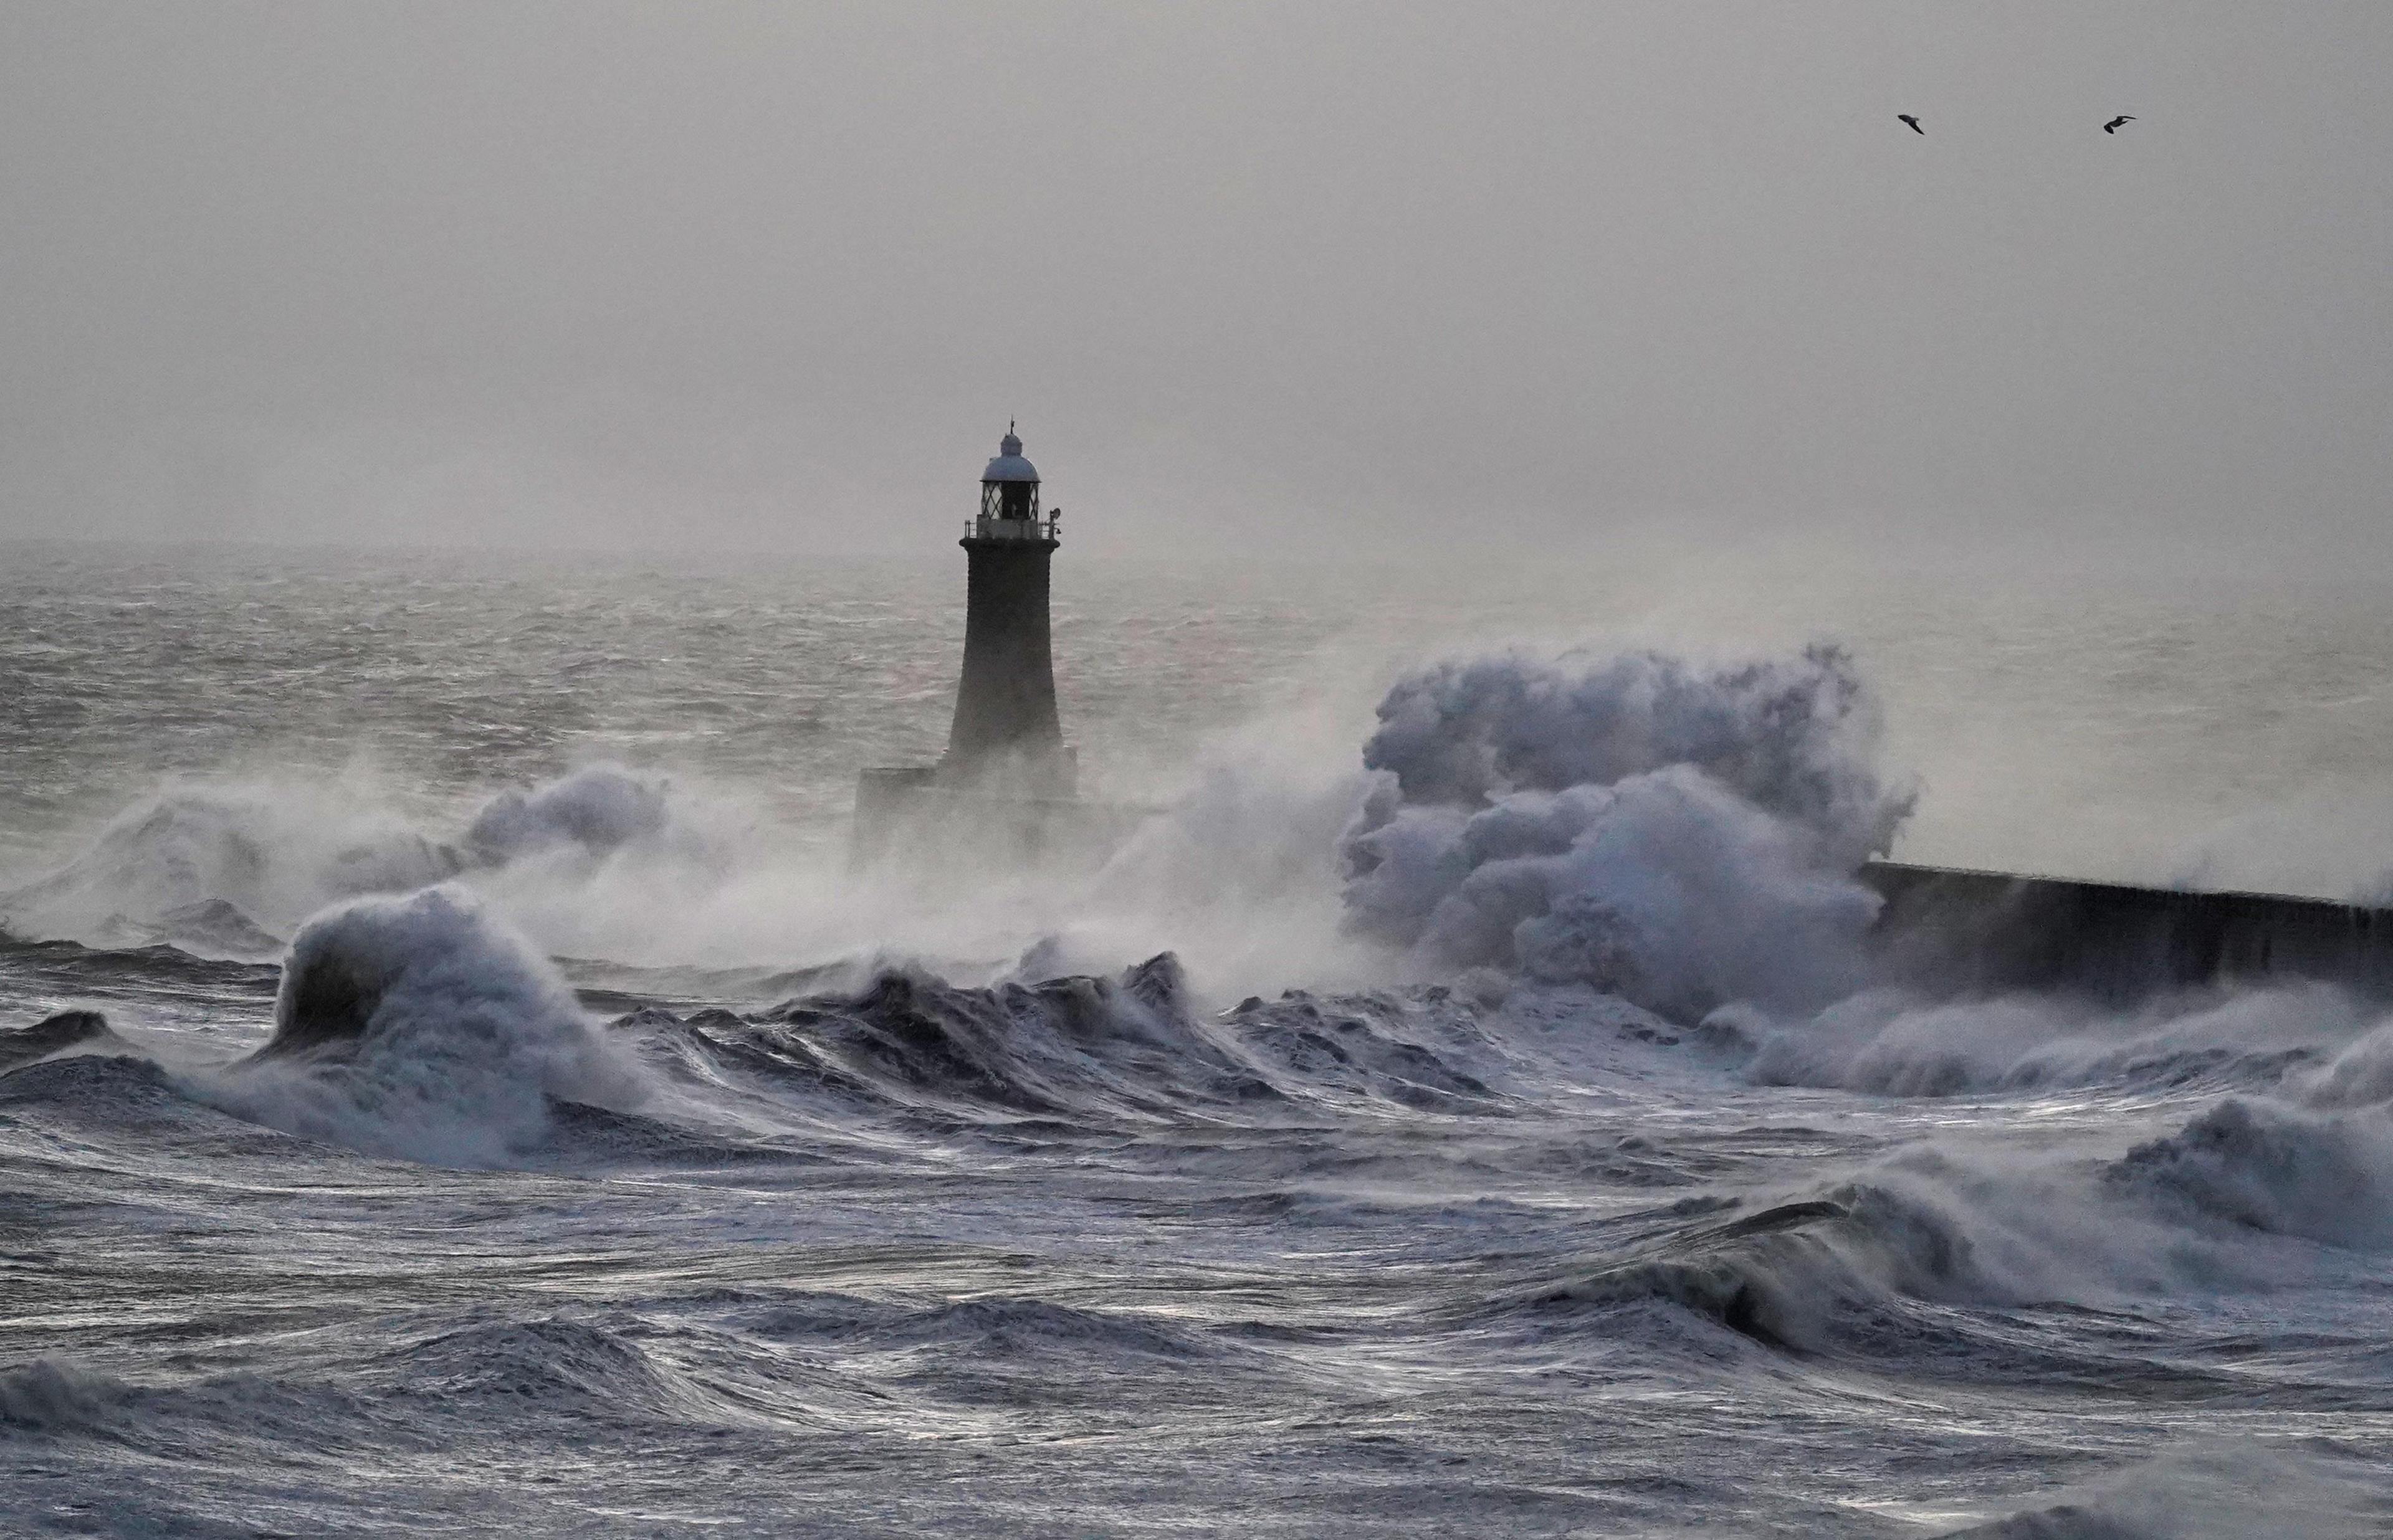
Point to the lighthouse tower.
(1006, 730)
(1005, 791)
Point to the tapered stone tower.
(1006, 730)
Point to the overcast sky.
(1344, 277)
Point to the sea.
(455, 1079)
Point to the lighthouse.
(1006, 733)
(1007, 788)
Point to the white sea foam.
(424, 1026)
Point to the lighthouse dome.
(1009, 465)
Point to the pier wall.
(1947, 928)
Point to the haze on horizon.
(1338, 278)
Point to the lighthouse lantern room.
(1009, 497)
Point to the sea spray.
(226, 870)
(1681, 836)
(216, 858)
(596, 809)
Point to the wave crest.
(422, 1027)
(2273, 1169)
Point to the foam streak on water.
(563, 1141)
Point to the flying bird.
(1905, 117)
(2113, 126)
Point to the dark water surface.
(688, 1184)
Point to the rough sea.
(452, 1080)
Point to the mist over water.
(1464, 1103)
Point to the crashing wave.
(2273, 1169)
(1680, 837)
(422, 1027)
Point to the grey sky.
(1336, 276)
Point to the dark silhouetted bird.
(1905, 117)
(2113, 126)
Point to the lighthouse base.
(929, 819)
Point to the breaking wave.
(2274, 1168)
(1873, 1267)
(422, 1027)
(1083, 1050)
(1951, 1256)
(1681, 837)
